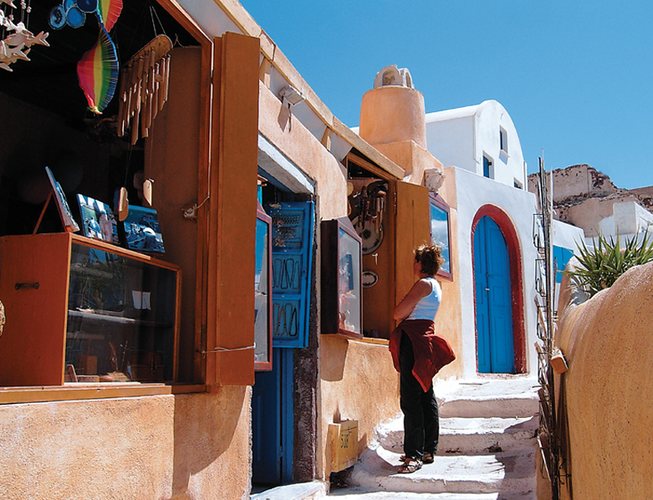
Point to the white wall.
(452, 142)
(491, 116)
(460, 137)
(472, 192)
(628, 218)
(567, 235)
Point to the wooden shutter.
(292, 245)
(412, 229)
(232, 205)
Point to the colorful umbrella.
(97, 72)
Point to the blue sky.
(575, 75)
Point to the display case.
(81, 310)
(342, 301)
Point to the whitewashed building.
(481, 139)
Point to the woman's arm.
(419, 290)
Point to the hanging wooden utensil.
(144, 87)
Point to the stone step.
(296, 491)
(468, 435)
(367, 494)
(492, 397)
(512, 473)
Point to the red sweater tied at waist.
(431, 351)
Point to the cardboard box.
(343, 437)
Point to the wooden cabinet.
(83, 310)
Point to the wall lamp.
(290, 95)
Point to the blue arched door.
(494, 332)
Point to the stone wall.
(583, 196)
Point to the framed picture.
(98, 221)
(440, 233)
(142, 230)
(66, 215)
(342, 298)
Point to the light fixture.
(290, 95)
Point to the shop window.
(440, 233)
(111, 312)
(263, 293)
(341, 278)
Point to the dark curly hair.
(430, 258)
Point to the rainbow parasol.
(97, 72)
(109, 12)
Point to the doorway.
(275, 408)
(493, 299)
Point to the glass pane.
(261, 296)
(121, 318)
(349, 285)
(440, 234)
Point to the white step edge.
(506, 472)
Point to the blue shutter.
(292, 246)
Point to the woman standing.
(416, 355)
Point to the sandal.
(410, 465)
(427, 458)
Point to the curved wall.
(609, 388)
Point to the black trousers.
(421, 422)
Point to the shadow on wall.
(205, 427)
(332, 362)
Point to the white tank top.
(428, 306)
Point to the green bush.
(600, 266)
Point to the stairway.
(486, 451)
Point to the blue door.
(272, 421)
(495, 341)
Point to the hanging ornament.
(144, 87)
(17, 44)
(73, 13)
(108, 11)
(97, 72)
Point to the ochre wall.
(448, 322)
(306, 152)
(186, 446)
(358, 382)
(609, 388)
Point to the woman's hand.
(419, 290)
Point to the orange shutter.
(232, 221)
(412, 223)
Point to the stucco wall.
(295, 141)
(452, 141)
(609, 388)
(461, 137)
(473, 192)
(448, 322)
(186, 446)
(358, 382)
(490, 118)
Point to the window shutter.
(413, 228)
(232, 212)
(292, 245)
